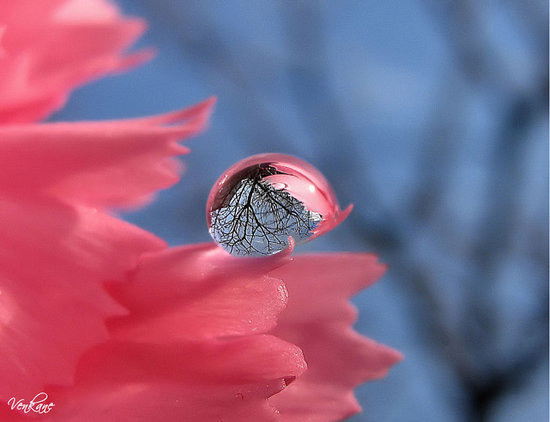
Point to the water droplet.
(260, 201)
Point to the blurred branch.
(437, 152)
(202, 41)
(318, 105)
(461, 23)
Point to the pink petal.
(212, 381)
(318, 319)
(199, 292)
(52, 305)
(111, 163)
(36, 75)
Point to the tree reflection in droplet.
(259, 202)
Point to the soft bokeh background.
(431, 116)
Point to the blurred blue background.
(431, 116)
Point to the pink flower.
(101, 315)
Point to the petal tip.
(344, 214)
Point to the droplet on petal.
(261, 201)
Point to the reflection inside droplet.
(259, 202)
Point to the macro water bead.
(261, 201)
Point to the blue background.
(432, 118)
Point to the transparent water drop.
(260, 201)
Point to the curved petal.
(36, 75)
(199, 292)
(318, 319)
(53, 258)
(118, 162)
(211, 381)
